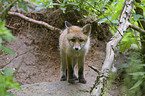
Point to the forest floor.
(37, 53)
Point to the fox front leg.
(70, 70)
(81, 60)
(63, 66)
(75, 59)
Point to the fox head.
(77, 36)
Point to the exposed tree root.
(137, 28)
(35, 21)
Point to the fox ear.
(86, 29)
(67, 24)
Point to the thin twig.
(35, 21)
(11, 27)
(137, 28)
(15, 58)
(19, 66)
(8, 7)
(94, 69)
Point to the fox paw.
(75, 77)
(82, 81)
(72, 81)
(63, 78)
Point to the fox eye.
(81, 40)
(73, 40)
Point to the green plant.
(7, 81)
(5, 35)
(25, 5)
(49, 3)
(8, 4)
(112, 14)
(135, 77)
(41, 4)
(129, 40)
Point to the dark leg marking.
(81, 76)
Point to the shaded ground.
(42, 61)
(38, 47)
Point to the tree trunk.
(142, 25)
(124, 24)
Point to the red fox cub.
(74, 44)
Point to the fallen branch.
(137, 28)
(35, 21)
(11, 27)
(124, 24)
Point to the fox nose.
(76, 48)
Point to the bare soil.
(42, 60)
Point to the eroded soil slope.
(41, 56)
(37, 51)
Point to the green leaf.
(8, 71)
(7, 38)
(125, 46)
(142, 20)
(102, 20)
(136, 84)
(142, 6)
(54, 4)
(137, 4)
(136, 16)
(119, 6)
(25, 8)
(20, 5)
(107, 18)
(16, 85)
(30, 7)
(142, 65)
(63, 9)
(116, 15)
(124, 66)
(2, 91)
(115, 21)
(72, 3)
(0, 74)
(137, 73)
(39, 7)
(23, 5)
(8, 50)
(64, 1)
(10, 94)
(1, 41)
